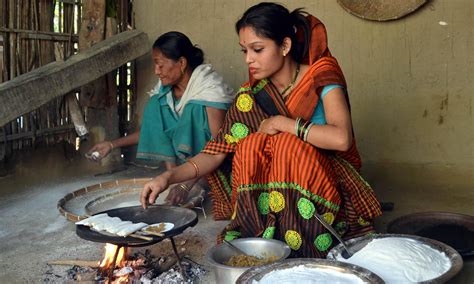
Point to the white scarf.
(205, 84)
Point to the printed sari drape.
(271, 186)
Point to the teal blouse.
(166, 136)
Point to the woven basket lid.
(381, 10)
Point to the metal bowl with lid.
(336, 268)
(454, 257)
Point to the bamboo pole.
(13, 61)
(12, 41)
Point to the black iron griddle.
(182, 218)
(453, 229)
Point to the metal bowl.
(456, 260)
(324, 265)
(454, 229)
(259, 247)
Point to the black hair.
(275, 22)
(175, 44)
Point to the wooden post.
(31, 90)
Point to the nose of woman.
(248, 58)
(157, 70)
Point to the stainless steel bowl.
(259, 247)
(456, 260)
(257, 273)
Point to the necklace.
(292, 81)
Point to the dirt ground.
(33, 232)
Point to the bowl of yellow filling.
(228, 264)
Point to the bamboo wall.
(34, 33)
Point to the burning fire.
(115, 260)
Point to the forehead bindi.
(248, 37)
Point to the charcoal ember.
(150, 274)
(72, 273)
(86, 276)
(123, 271)
(192, 270)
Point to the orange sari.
(271, 186)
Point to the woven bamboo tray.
(92, 199)
(381, 10)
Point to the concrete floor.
(32, 232)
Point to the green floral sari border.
(223, 179)
(259, 86)
(244, 89)
(290, 185)
(354, 172)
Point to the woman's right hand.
(99, 151)
(153, 188)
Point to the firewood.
(88, 277)
(168, 263)
(72, 262)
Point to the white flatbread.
(119, 227)
(88, 221)
(131, 228)
(113, 225)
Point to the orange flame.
(108, 261)
(110, 250)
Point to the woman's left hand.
(176, 195)
(269, 125)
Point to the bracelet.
(306, 132)
(111, 145)
(297, 125)
(304, 128)
(184, 187)
(196, 169)
(300, 124)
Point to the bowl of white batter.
(308, 271)
(399, 258)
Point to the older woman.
(290, 140)
(186, 110)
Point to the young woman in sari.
(289, 139)
(187, 108)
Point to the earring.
(182, 72)
(284, 53)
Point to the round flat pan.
(453, 229)
(182, 218)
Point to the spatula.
(346, 253)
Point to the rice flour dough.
(400, 260)
(307, 275)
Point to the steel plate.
(257, 273)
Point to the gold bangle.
(184, 187)
(111, 145)
(196, 169)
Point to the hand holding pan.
(153, 188)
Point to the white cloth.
(205, 84)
